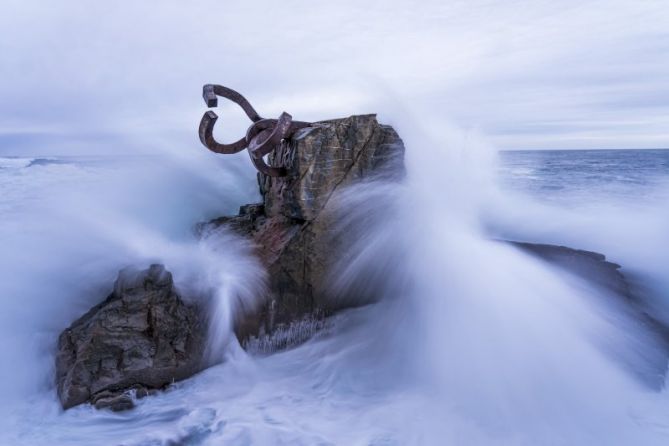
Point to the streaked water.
(471, 342)
(577, 176)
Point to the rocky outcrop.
(590, 266)
(142, 337)
(292, 226)
(594, 269)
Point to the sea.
(470, 341)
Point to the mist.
(454, 335)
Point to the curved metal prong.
(261, 145)
(209, 96)
(257, 158)
(297, 125)
(206, 133)
(262, 167)
(259, 126)
(264, 135)
(210, 91)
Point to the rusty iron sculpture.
(262, 137)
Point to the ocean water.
(576, 177)
(471, 341)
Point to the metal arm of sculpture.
(262, 137)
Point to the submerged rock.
(590, 266)
(595, 270)
(113, 400)
(142, 337)
(292, 227)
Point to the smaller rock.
(141, 391)
(143, 337)
(112, 401)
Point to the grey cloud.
(102, 75)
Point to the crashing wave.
(21, 163)
(14, 162)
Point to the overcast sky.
(122, 76)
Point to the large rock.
(326, 156)
(142, 337)
(292, 228)
(590, 266)
(594, 269)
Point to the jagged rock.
(142, 337)
(292, 226)
(329, 155)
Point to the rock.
(113, 401)
(329, 155)
(142, 337)
(594, 269)
(590, 266)
(291, 228)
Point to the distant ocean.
(582, 175)
(558, 175)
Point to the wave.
(461, 339)
(20, 163)
(47, 161)
(15, 162)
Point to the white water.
(471, 342)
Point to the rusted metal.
(262, 137)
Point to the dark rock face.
(142, 337)
(593, 268)
(326, 156)
(292, 227)
(588, 265)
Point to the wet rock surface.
(142, 337)
(292, 226)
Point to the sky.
(81, 77)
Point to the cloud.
(525, 73)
